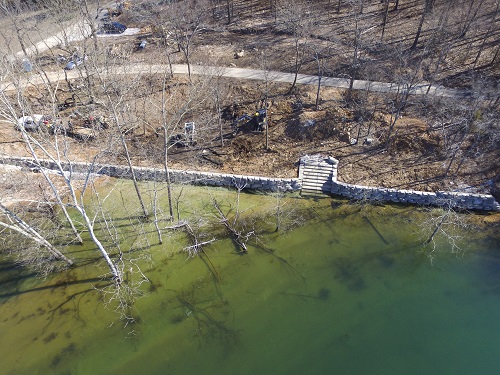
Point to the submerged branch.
(239, 238)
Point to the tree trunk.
(384, 20)
(28, 231)
(426, 242)
(455, 153)
(471, 16)
(229, 11)
(155, 212)
(487, 35)
(297, 66)
(355, 58)
(129, 163)
(395, 115)
(167, 172)
(52, 186)
(267, 129)
(165, 150)
(117, 276)
(495, 56)
(219, 119)
(421, 23)
(318, 90)
(186, 55)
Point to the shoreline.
(454, 200)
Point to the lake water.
(332, 296)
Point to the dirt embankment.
(423, 152)
(415, 157)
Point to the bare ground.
(415, 158)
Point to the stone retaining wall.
(460, 200)
(176, 176)
(468, 201)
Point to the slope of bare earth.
(417, 157)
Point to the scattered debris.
(257, 122)
(184, 139)
(27, 66)
(113, 28)
(29, 123)
(368, 141)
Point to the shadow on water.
(244, 313)
(489, 265)
(282, 261)
(208, 313)
(11, 277)
(323, 294)
(59, 284)
(65, 353)
(208, 327)
(60, 309)
(348, 273)
(385, 260)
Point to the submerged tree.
(56, 153)
(446, 227)
(18, 225)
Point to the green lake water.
(333, 297)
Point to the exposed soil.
(417, 155)
(414, 159)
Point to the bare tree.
(12, 10)
(229, 11)
(186, 20)
(234, 226)
(447, 227)
(116, 92)
(487, 35)
(219, 90)
(8, 112)
(293, 17)
(173, 112)
(63, 166)
(354, 66)
(408, 75)
(18, 225)
(428, 6)
(385, 17)
(471, 16)
(320, 53)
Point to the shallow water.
(335, 296)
